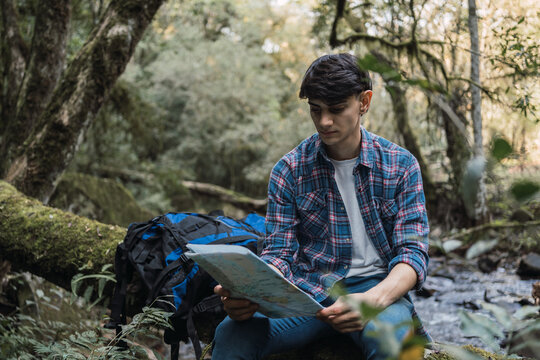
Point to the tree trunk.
(14, 53)
(51, 243)
(401, 115)
(459, 152)
(480, 208)
(43, 69)
(78, 97)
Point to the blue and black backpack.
(154, 250)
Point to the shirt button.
(346, 267)
(342, 208)
(348, 239)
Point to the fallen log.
(52, 243)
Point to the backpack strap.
(118, 302)
(211, 302)
(193, 336)
(175, 349)
(183, 259)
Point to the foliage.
(49, 334)
(102, 278)
(410, 348)
(523, 325)
(208, 103)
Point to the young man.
(345, 206)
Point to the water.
(458, 285)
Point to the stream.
(458, 285)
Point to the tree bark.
(14, 52)
(43, 69)
(51, 243)
(78, 97)
(458, 151)
(480, 208)
(399, 105)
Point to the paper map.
(246, 276)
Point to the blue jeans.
(261, 336)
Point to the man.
(344, 207)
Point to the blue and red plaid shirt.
(309, 237)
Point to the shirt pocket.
(387, 210)
(313, 214)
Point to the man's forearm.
(399, 281)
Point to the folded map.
(246, 276)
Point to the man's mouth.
(326, 133)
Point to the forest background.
(119, 111)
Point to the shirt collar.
(366, 149)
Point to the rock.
(425, 292)
(100, 199)
(488, 263)
(522, 215)
(529, 266)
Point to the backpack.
(154, 250)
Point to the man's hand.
(343, 316)
(237, 309)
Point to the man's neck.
(344, 151)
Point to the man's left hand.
(343, 315)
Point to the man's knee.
(238, 339)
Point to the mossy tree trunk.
(52, 243)
(79, 94)
(43, 69)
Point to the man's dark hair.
(333, 78)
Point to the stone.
(522, 215)
(529, 266)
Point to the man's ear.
(365, 100)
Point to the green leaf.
(526, 311)
(501, 314)
(370, 63)
(451, 245)
(368, 311)
(524, 189)
(500, 148)
(481, 247)
(471, 180)
(483, 327)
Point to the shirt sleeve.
(281, 245)
(411, 229)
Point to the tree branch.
(79, 95)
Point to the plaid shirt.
(309, 237)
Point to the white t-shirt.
(365, 258)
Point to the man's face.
(338, 123)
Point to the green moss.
(440, 355)
(52, 243)
(102, 199)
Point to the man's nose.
(326, 119)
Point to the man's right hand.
(237, 309)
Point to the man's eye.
(337, 110)
(315, 110)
